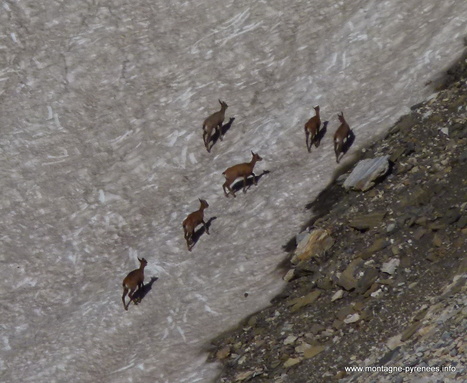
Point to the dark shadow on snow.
(225, 128)
(237, 186)
(348, 143)
(321, 133)
(198, 233)
(139, 294)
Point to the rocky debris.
(291, 362)
(390, 266)
(367, 221)
(352, 318)
(312, 351)
(380, 281)
(314, 244)
(434, 343)
(367, 173)
(338, 295)
(369, 277)
(378, 245)
(347, 279)
(223, 353)
(308, 299)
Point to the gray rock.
(365, 174)
(391, 228)
(337, 295)
(388, 356)
(345, 312)
(369, 277)
(409, 331)
(367, 221)
(347, 279)
(352, 318)
(301, 236)
(316, 328)
(462, 222)
(390, 266)
(452, 216)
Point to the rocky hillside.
(377, 278)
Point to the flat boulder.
(366, 173)
(314, 244)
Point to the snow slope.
(101, 153)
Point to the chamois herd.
(313, 135)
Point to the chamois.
(214, 121)
(133, 280)
(341, 136)
(312, 130)
(193, 220)
(241, 170)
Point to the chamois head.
(224, 105)
(204, 203)
(256, 157)
(142, 262)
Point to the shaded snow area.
(101, 159)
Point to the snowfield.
(102, 157)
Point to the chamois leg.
(130, 294)
(308, 144)
(312, 140)
(136, 301)
(206, 139)
(187, 234)
(125, 292)
(254, 178)
(188, 240)
(337, 150)
(227, 185)
(244, 184)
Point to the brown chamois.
(214, 121)
(193, 220)
(341, 136)
(241, 170)
(133, 280)
(312, 130)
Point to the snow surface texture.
(101, 153)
